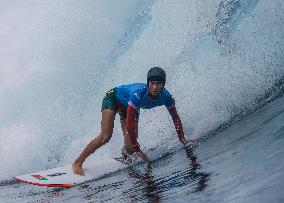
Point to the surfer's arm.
(177, 122)
(130, 127)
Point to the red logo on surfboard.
(39, 177)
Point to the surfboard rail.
(64, 177)
(47, 185)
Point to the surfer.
(127, 101)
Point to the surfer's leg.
(107, 125)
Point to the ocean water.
(243, 163)
(224, 64)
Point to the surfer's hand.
(144, 157)
(185, 142)
(128, 150)
(77, 169)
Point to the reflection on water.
(202, 177)
(146, 181)
(150, 185)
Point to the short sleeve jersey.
(136, 96)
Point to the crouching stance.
(127, 101)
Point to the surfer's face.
(155, 88)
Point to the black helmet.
(156, 74)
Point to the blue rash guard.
(136, 95)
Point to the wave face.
(59, 59)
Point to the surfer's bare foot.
(77, 169)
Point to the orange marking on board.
(39, 177)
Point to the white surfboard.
(64, 176)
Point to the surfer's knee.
(107, 128)
(105, 138)
(106, 132)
